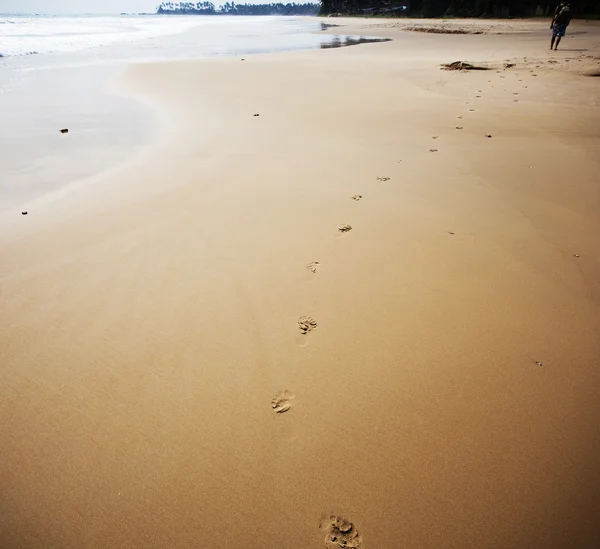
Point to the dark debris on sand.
(462, 66)
(442, 30)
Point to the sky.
(79, 6)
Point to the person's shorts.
(559, 30)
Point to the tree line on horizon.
(456, 8)
(231, 8)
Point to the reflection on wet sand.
(342, 41)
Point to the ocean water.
(53, 71)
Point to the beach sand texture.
(196, 351)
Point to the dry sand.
(150, 316)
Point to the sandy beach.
(378, 300)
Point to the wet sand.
(378, 300)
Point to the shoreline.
(105, 130)
(446, 393)
(65, 88)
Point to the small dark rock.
(257, 114)
(489, 136)
(64, 130)
(23, 213)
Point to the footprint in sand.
(312, 266)
(344, 228)
(435, 137)
(340, 532)
(356, 197)
(306, 324)
(433, 150)
(471, 110)
(281, 403)
(383, 179)
(478, 96)
(459, 127)
(459, 117)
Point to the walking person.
(560, 22)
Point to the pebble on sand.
(64, 130)
(23, 213)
